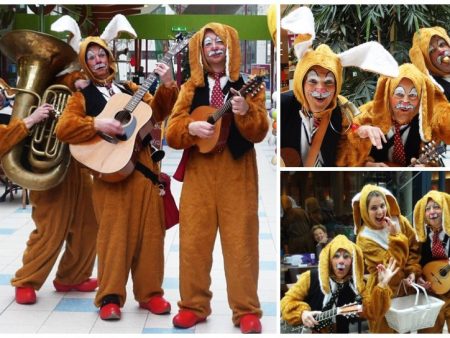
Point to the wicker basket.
(413, 312)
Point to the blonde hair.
(318, 226)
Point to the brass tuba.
(39, 57)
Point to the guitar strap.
(317, 141)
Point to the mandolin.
(348, 310)
(111, 157)
(438, 274)
(221, 118)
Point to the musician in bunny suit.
(432, 226)
(337, 281)
(56, 220)
(382, 233)
(312, 120)
(392, 128)
(212, 196)
(129, 212)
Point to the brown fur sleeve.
(75, 126)
(440, 123)
(69, 79)
(163, 101)
(376, 303)
(255, 124)
(413, 261)
(292, 304)
(177, 133)
(11, 134)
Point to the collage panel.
(364, 252)
(138, 172)
(364, 86)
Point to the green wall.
(159, 27)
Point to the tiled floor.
(73, 312)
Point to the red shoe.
(157, 305)
(25, 295)
(250, 324)
(110, 311)
(186, 319)
(88, 285)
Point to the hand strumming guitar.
(109, 126)
(201, 129)
(308, 318)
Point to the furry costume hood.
(82, 58)
(379, 109)
(370, 56)
(357, 270)
(419, 52)
(323, 56)
(360, 206)
(118, 24)
(197, 60)
(441, 198)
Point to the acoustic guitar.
(112, 157)
(348, 310)
(438, 274)
(221, 118)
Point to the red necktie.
(217, 94)
(398, 155)
(437, 249)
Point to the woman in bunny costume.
(130, 212)
(312, 123)
(432, 225)
(384, 233)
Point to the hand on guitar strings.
(308, 318)
(165, 73)
(385, 273)
(108, 126)
(201, 129)
(238, 104)
(373, 133)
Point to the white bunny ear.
(67, 23)
(300, 21)
(119, 23)
(370, 56)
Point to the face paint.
(404, 102)
(214, 51)
(439, 52)
(319, 88)
(433, 215)
(341, 263)
(97, 61)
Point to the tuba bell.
(39, 58)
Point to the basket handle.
(418, 288)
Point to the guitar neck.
(327, 315)
(137, 97)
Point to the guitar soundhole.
(123, 117)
